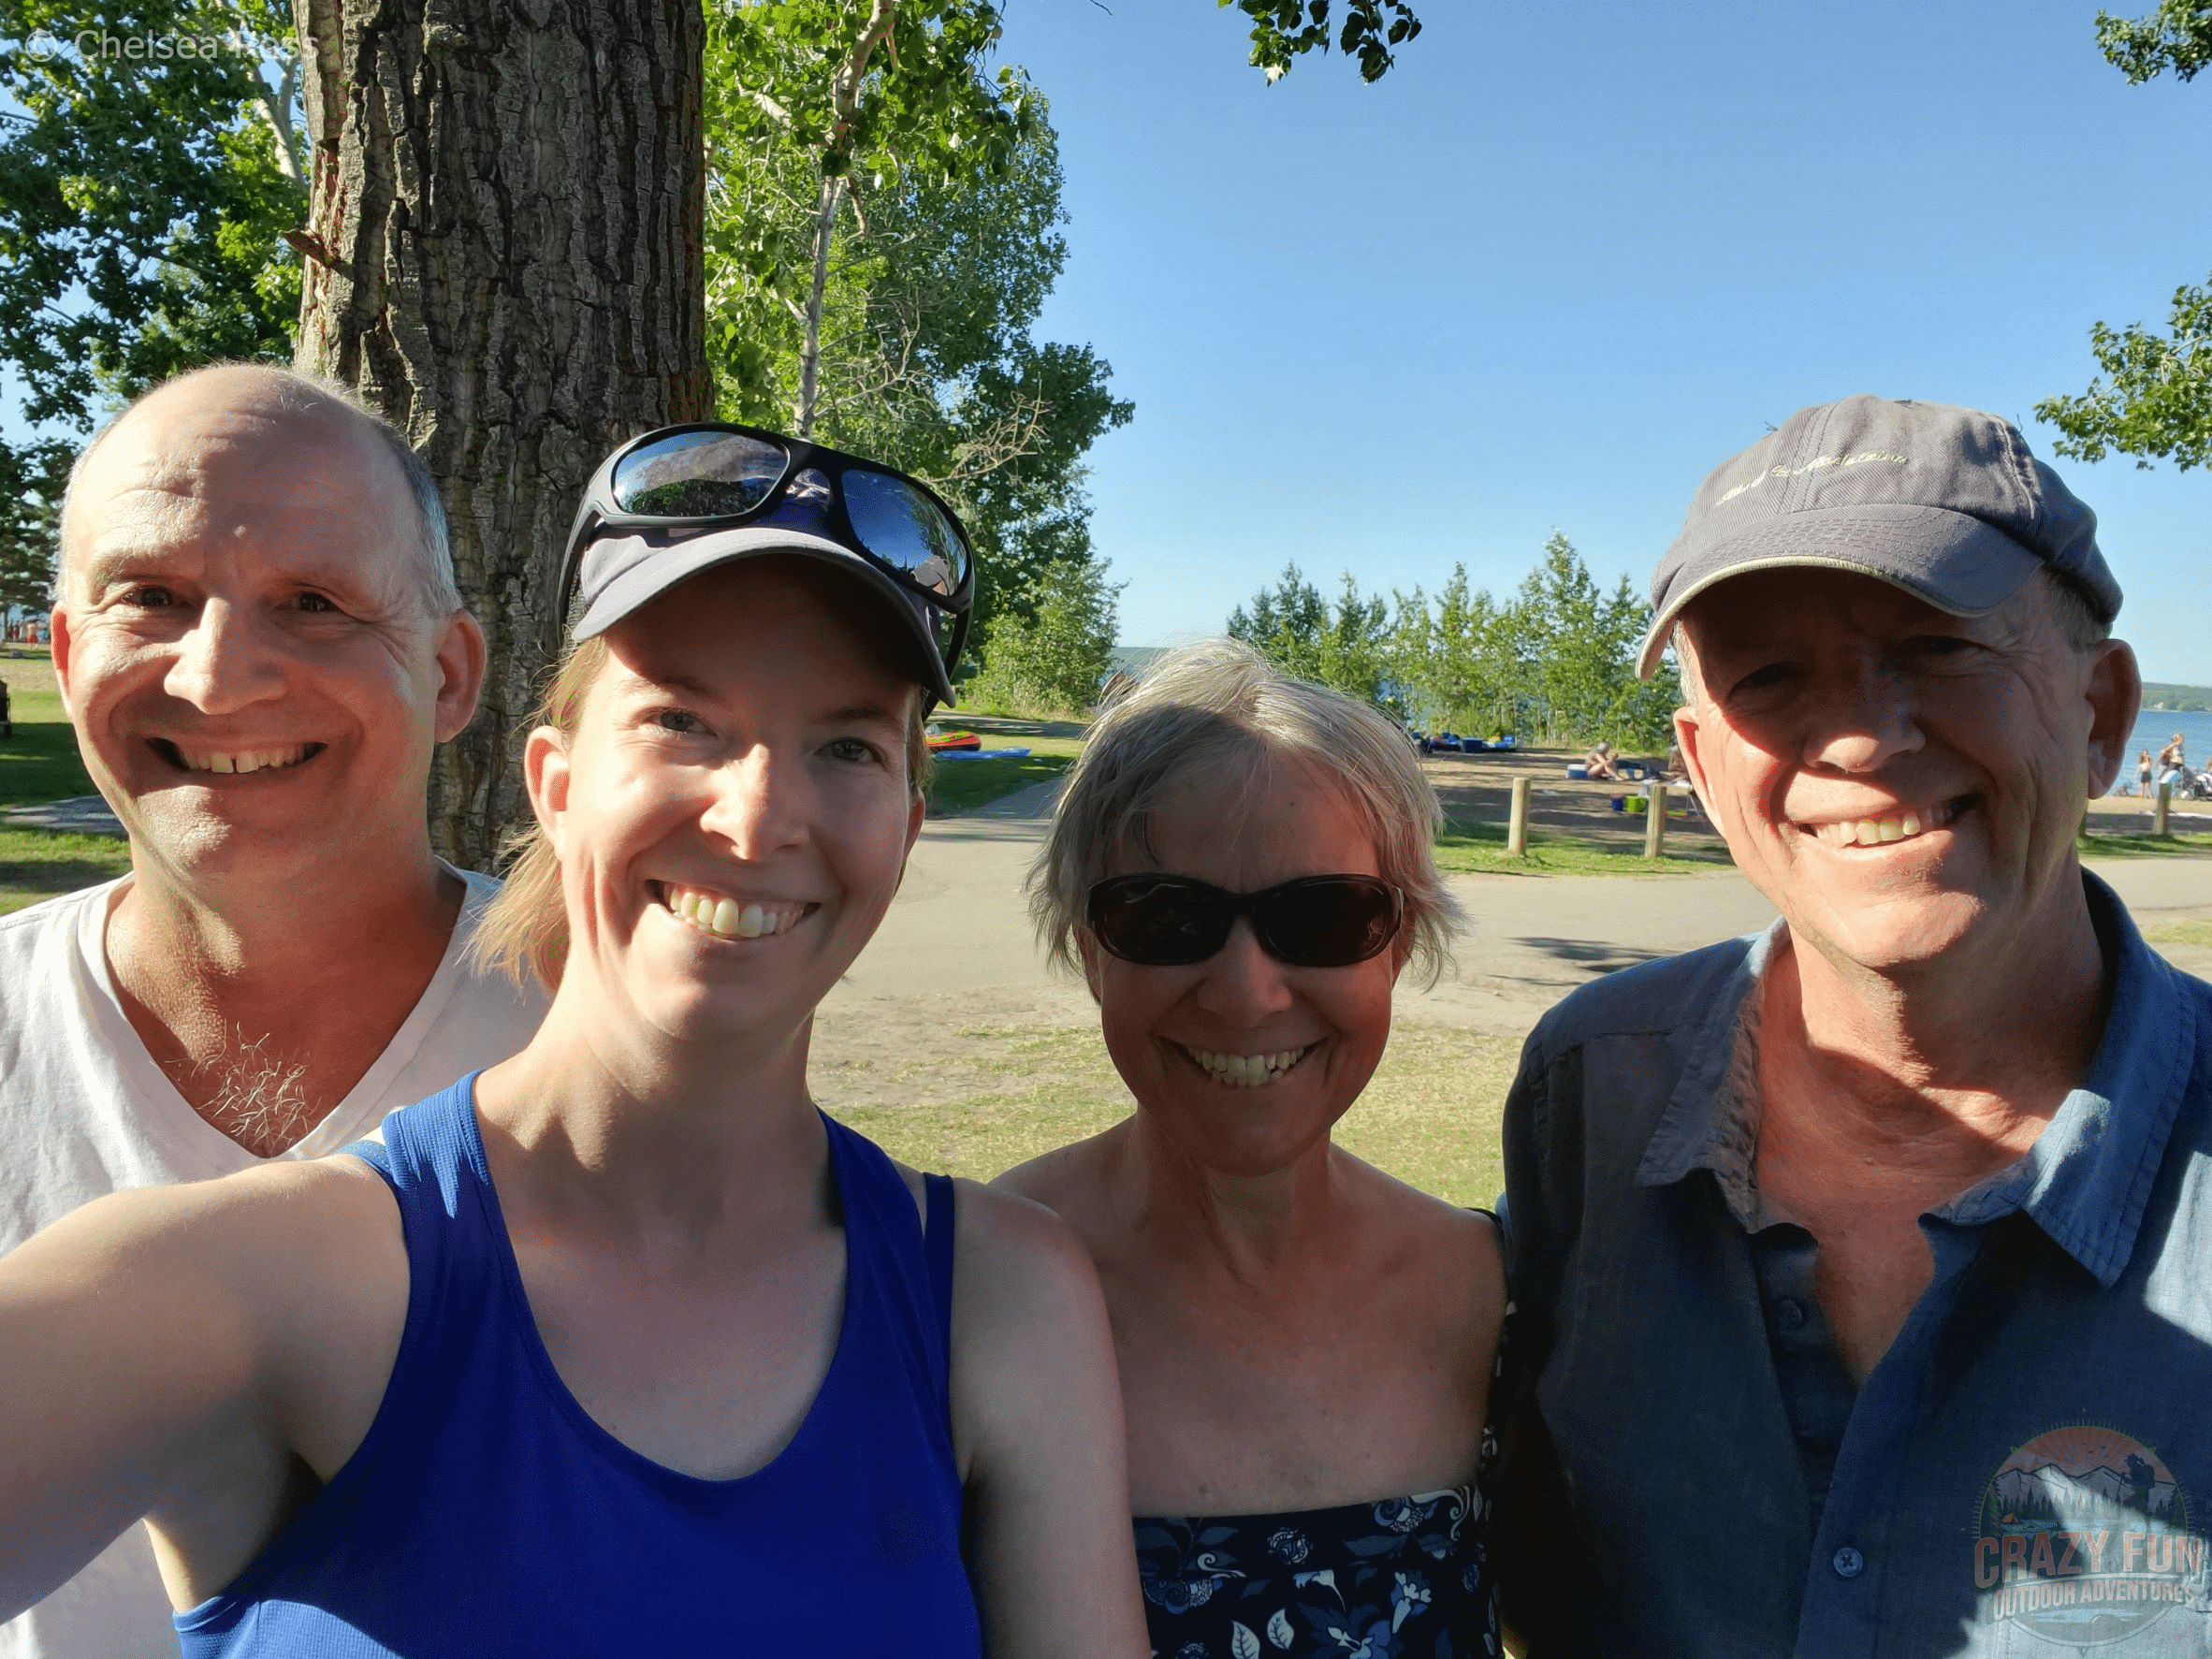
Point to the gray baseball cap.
(623, 571)
(1944, 503)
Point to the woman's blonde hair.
(524, 931)
(1220, 710)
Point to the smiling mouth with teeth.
(229, 761)
(1876, 832)
(724, 917)
(1246, 1071)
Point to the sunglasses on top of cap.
(711, 474)
(1160, 921)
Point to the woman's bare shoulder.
(1429, 1234)
(1064, 1178)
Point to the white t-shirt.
(84, 1111)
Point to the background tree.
(1285, 623)
(908, 333)
(504, 250)
(506, 256)
(2155, 400)
(1555, 664)
(1053, 659)
(805, 95)
(30, 480)
(143, 200)
(1283, 29)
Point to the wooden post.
(1516, 828)
(1655, 820)
(2158, 813)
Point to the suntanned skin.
(659, 1164)
(243, 578)
(1942, 994)
(1295, 1328)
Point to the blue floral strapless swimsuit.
(1398, 1579)
(1402, 1579)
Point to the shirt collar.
(2089, 1176)
(1691, 1132)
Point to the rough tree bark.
(504, 255)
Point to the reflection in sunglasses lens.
(697, 475)
(903, 527)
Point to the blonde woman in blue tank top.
(622, 1345)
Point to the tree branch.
(845, 90)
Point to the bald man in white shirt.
(259, 644)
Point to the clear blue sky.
(1569, 255)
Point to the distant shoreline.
(2172, 699)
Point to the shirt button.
(1849, 1563)
(1789, 1313)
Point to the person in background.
(2142, 773)
(621, 1345)
(1240, 865)
(1599, 763)
(1859, 1266)
(259, 644)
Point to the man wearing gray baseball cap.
(1861, 1265)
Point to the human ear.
(461, 661)
(2115, 695)
(1687, 735)
(545, 775)
(64, 640)
(1094, 960)
(916, 809)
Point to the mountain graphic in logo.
(2098, 1494)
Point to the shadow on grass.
(37, 863)
(39, 761)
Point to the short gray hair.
(1220, 709)
(298, 391)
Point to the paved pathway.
(84, 814)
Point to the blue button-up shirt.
(2028, 1470)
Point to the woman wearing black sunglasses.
(1241, 867)
(621, 1346)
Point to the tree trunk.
(510, 194)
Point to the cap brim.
(1953, 560)
(662, 560)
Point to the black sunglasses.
(708, 475)
(1315, 921)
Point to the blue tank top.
(486, 1513)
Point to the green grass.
(2101, 845)
(1431, 1117)
(2181, 933)
(37, 863)
(39, 763)
(964, 785)
(961, 786)
(1480, 848)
